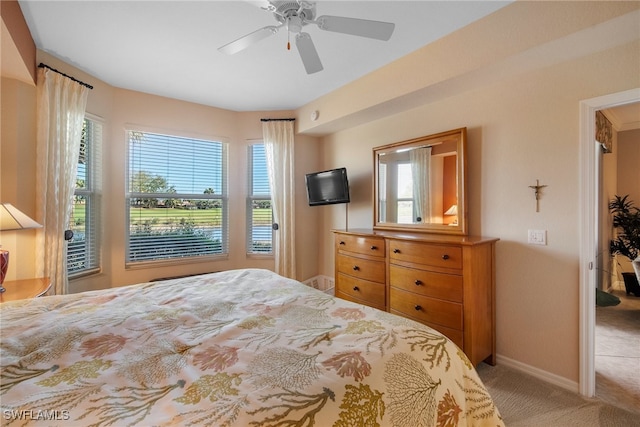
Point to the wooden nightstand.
(24, 288)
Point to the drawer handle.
(418, 308)
(396, 251)
(355, 288)
(356, 268)
(445, 257)
(342, 243)
(418, 282)
(373, 248)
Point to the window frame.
(93, 195)
(399, 200)
(224, 197)
(251, 198)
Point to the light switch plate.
(537, 237)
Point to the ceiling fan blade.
(262, 4)
(246, 41)
(356, 27)
(308, 53)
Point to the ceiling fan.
(294, 15)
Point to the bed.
(236, 348)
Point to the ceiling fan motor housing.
(294, 13)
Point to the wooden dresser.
(446, 282)
(361, 269)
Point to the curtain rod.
(277, 120)
(66, 75)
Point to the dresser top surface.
(419, 237)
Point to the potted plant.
(626, 220)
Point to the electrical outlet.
(537, 237)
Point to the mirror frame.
(461, 166)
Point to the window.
(83, 250)
(259, 219)
(177, 197)
(405, 194)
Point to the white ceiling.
(169, 48)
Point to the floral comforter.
(237, 348)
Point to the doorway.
(589, 220)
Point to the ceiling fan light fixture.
(294, 24)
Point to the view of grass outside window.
(260, 218)
(177, 197)
(83, 250)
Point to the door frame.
(589, 219)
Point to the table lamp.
(453, 210)
(11, 219)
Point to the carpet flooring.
(526, 401)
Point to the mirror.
(419, 184)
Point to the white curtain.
(61, 107)
(420, 173)
(278, 144)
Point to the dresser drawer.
(370, 293)
(366, 269)
(425, 309)
(427, 283)
(435, 255)
(371, 246)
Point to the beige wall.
(620, 175)
(608, 166)
(521, 36)
(147, 112)
(119, 109)
(628, 172)
(520, 128)
(17, 134)
(17, 170)
(522, 125)
(18, 48)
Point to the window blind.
(83, 250)
(260, 218)
(177, 197)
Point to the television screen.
(328, 187)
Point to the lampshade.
(12, 219)
(453, 210)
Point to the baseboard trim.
(326, 284)
(539, 373)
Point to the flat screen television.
(327, 187)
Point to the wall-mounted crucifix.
(537, 189)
